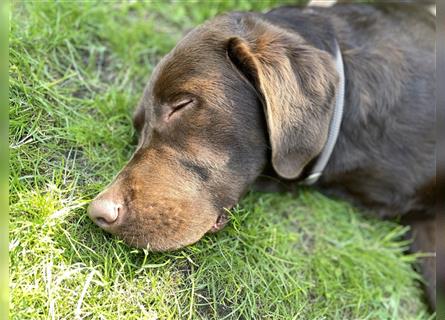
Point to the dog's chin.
(142, 241)
(166, 245)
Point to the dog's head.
(230, 90)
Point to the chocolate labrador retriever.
(341, 97)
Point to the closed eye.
(179, 106)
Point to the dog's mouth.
(220, 223)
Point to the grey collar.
(334, 127)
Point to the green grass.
(76, 72)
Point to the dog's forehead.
(193, 65)
(197, 56)
(197, 51)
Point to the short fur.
(261, 91)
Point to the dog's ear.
(297, 84)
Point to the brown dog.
(246, 92)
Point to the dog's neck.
(334, 128)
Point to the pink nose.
(104, 212)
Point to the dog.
(339, 97)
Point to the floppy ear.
(297, 84)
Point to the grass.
(76, 71)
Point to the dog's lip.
(220, 223)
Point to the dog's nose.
(104, 212)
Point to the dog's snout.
(104, 212)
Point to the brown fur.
(248, 94)
(270, 57)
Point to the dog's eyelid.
(180, 104)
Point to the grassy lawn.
(76, 71)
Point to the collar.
(334, 127)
